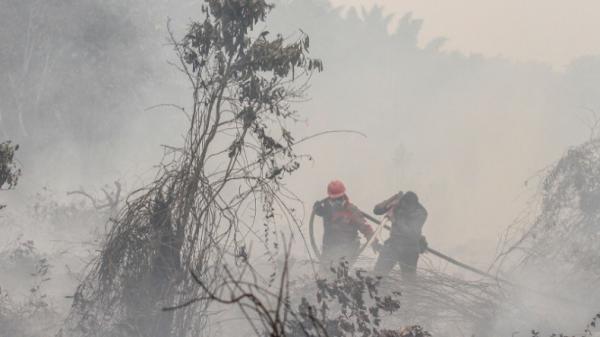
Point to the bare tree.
(267, 312)
(111, 202)
(565, 215)
(237, 149)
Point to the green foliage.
(346, 306)
(248, 74)
(9, 170)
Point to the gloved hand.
(423, 244)
(394, 200)
(377, 246)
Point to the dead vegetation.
(111, 201)
(30, 314)
(561, 231)
(192, 217)
(346, 304)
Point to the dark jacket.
(341, 226)
(407, 222)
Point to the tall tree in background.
(9, 171)
(236, 152)
(70, 67)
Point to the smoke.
(467, 133)
(464, 132)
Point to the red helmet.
(336, 189)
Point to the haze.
(553, 32)
(465, 102)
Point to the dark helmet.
(410, 199)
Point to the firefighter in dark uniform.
(406, 242)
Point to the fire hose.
(444, 256)
(432, 251)
(381, 225)
(315, 247)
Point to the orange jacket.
(341, 225)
